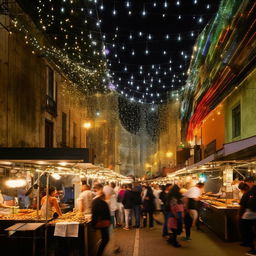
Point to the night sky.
(147, 44)
(166, 29)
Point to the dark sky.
(164, 26)
(148, 55)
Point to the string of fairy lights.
(128, 46)
(119, 46)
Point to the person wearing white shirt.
(192, 196)
(85, 199)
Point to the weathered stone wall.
(23, 97)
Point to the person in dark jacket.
(128, 203)
(137, 206)
(175, 221)
(165, 208)
(248, 218)
(148, 206)
(101, 217)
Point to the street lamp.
(169, 154)
(87, 125)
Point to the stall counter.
(221, 220)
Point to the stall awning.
(241, 149)
(45, 154)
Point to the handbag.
(102, 224)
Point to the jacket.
(128, 200)
(100, 210)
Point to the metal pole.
(46, 216)
(38, 197)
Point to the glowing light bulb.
(208, 6)
(179, 38)
(128, 4)
(165, 4)
(62, 9)
(114, 12)
(200, 20)
(192, 34)
(144, 13)
(167, 36)
(149, 37)
(154, 4)
(102, 7)
(179, 17)
(178, 3)
(195, 1)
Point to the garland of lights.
(129, 115)
(153, 124)
(78, 58)
(79, 47)
(141, 83)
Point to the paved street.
(151, 243)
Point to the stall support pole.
(38, 198)
(46, 217)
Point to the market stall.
(26, 230)
(219, 206)
(221, 216)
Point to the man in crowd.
(85, 199)
(192, 197)
(165, 208)
(128, 203)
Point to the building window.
(48, 134)
(51, 92)
(74, 135)
(64, 130)
(236, 121)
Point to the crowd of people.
(135, 205)
(139, 205)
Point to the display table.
(22, 237)
(28, 238)
(221, 220)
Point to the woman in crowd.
(175, 220)
(101, 217)
(120, 198)
(53, 209)
(148, 205)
